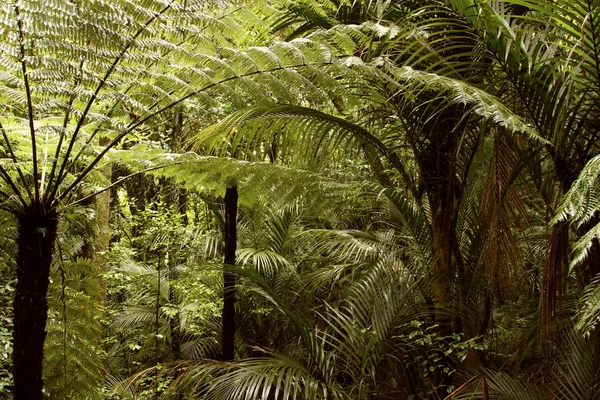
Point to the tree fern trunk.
(37, 234)
(231, 199)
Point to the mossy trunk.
(37, 234)
(231, 200)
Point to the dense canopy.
(300, 199)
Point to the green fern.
(580, 206)
(73, 356)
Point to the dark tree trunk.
(37, 234)
(443, 280)
(231, 199)
(439, 176)
(174, 322)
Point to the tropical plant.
(76, 82)
(462, 71)
(435, 101)
(155, 279)
(373, 333)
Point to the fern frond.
(589, 308)
(580, 205)
(577, 378)
(413, 218)
(255, 180)
(309, 129)
(135, 315)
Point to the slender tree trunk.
(231, 199)
(553, 286)
(442, 276)
(102, 237)
(174, 324)
(182, 205)
(37, 234)
(97, 240)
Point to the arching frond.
(266, 262)
(259, 378)
(124, 63)
(577, 376)
(501, 386)
(255, 180)
(580, 206)
(412, 82)
(286, 126)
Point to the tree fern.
(80, 79)
(255, 180)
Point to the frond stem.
(29, 105)
(64, 127)
(594, 41)
(141, 121)
(114, 107)
(12, 185)
(61, 173)
(14, 158)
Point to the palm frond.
(501, 386)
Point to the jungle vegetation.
(300, 199)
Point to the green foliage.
(87, 93)
(580, 206)
(73, 355)
(367, 338)
(474, 118)
(160, 292)
(574, 375)
(6, 339)
(7, 282)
